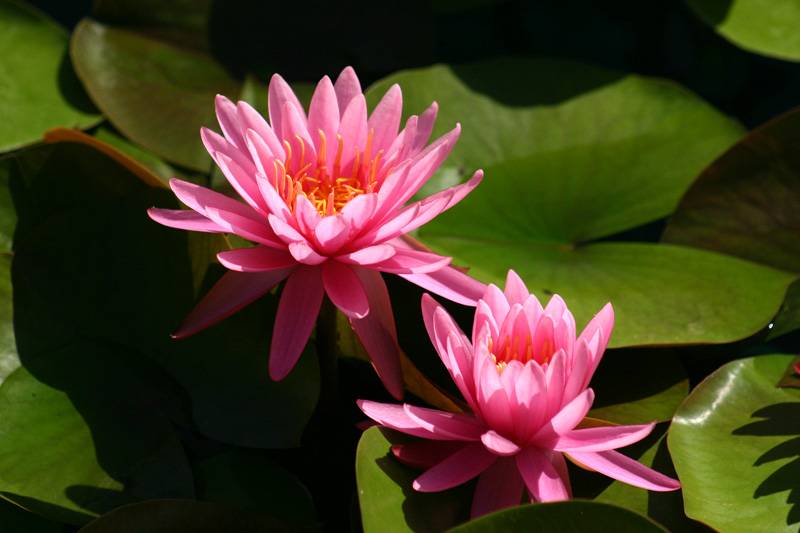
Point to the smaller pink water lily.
(526, 378)
(324, 199)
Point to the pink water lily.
(526, 378)
(324, 199)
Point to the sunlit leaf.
(735, 443)
(38, 87)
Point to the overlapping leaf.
(573, 154)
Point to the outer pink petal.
(377, 332)
(499, 487)
(229, 121)
(250, 119)
(600, 439)
(515, 292)
(541, 477)
(424, 127)
(279, 94)
(385, 119)
(426, 454)
(451, 426)
(449, 283)
(347, 87)
(232, 292)
(185, 219)
(244, 226)
(257, 259)
(353, 129)
(560, 464)
(395, 417)
(618, 466)
(456, 469)
(344, 289)
(601, 325)
(498, 444)
(297, 311)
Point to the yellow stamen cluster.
(517, 349)
(326, 187)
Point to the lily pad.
(768, 28)
(155, 93)
(9, 360)
(38, 86)
(573, 154)
(388, 501)
(570, 516)
(62, 456)
(168, 516)
(735, 443)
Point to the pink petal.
(601, 326)
(498, 444)
(575, 380)
(424, 127)
(541, 477)
(353, 129)
(560, 464)
(232, 292)
(185, 219)
(242, 224)
(456, 469)
(600, 439)
(497, 304)
(490, 394)
(528, 400)
(368, 256)
(566, 419)
(304, 253)
(306, 215)
(358, 211)
(450, 426)
(295, 133)
(297, 311)
(323, 115)
(377, 332)
(425, 454)
(283, 230)
(385, 119)
(237, 166)
(395, 417)
(622, 468)
(449, 283)
(499, 487)
(331, 234)
(257, 259)
(412, 262)
(279, 94)
(344, 289)
(250, 119)
(515, 292)
(229, 121)
(347, 87)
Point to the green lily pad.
(388, 501)
(570, 516)
(169, 516)
(735, 443)
(155, 93)
(62, 456)
(39, 89)
(74, 277)
(768, 28)
(248, 480)
(573, 154)
(15, 518)
(9, 360)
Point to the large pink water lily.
(525, 376)
(324, 199)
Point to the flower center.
(327, 187)
(522, 350)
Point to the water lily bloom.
(525, 376)
(324, 199)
